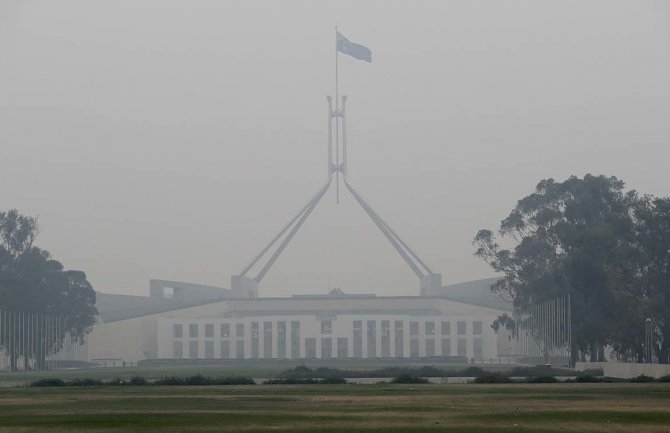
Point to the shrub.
(48, 382)
(407, 378)
(233, 380)
(592, 372)
(117, 381)
(293, 381)
(587, 378)
(473, 372)
(665, 378)
(541, 370)
(333, 381)
(643, 378)
(299, 372)
(169, 381)
(137, 380)
(542, 379)
(86, 382)
(492, 378)
(198, 379)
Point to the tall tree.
(32, 282)
(653, 234)
(574, 237)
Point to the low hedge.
(198, 379)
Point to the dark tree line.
(31, 281)
(606, 247)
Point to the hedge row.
(198, 379)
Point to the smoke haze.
(173, 139)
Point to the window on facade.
(281, 340)
(254, 340)
(310, 348)
(177, 330)
(267, 340)
(414, 347)
(239, 349)
(413, 328)
(386, 338)
(460, 327)
(193, 330)
(193, 349)
(342, 347)
(358, 339)
(446, 347)
(209, 330)
(477, 349)
(326, 348)
(177, 352)
(326, 326)
(225, 349)
(477, 328)
(446, 328)
(239, 330)
(225, 330)
(209, 349)
(399, 339)
(295, 339)
(430, 347)
(430, 328)
(372, 338)
(462, 347)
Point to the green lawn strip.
(142, 420)
(335, 408)
(582, 416)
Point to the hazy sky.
(173, 139)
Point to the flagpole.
(337, 122)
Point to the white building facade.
(330, 327)
(345, 336)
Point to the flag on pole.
(356, 51)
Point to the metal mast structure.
(246, 286)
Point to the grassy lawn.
(340, 408)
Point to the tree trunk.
(574, 355)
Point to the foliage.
(588, 378)
(642, 379)
(31, 281)
(492, 378)
(609, 249)
(86, 382)
(542, 379)
(199, 379)
(306, 381)
(539, 371)
(141, 381)
(653, 235)
(406, 378)
(48, 382)
(303, 372)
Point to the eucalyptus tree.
(31, 281)
(574, 237)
